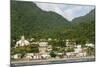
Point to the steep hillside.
(29, 20)
(84, 26)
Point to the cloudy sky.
(67, 11)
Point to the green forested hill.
(84, 26)
(29, 20)
(87, 18)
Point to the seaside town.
(39, 50)
(41, 36)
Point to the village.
(46, 50)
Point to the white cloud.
(67, 11)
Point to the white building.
(16, 56)
(90, 44)
(78, 49)
(22, 42)
(35, 43)
(30, 56)
(49, 39)
(70, 43)
(43, 47)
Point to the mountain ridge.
(29, 20)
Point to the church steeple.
(22, 37)
(22, 41)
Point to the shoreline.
(53, 61)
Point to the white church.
(22, 42)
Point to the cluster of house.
(45, 49)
